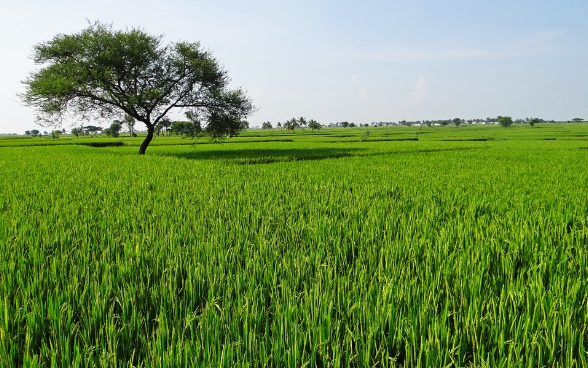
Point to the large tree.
(101, 72)
(505, 121)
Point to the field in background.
(417, 247)
(561, 131)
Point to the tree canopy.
(291, 124)
(505, 121)
(92, 129)
(101, 73)
(114, 129)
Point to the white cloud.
(254, 94)
(363, 94)
(535, 43)
(419, 92)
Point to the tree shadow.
(267, 156)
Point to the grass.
(320, 251)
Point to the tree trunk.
(150, 131)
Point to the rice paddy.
(419, 247)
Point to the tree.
(505, 121)
(457, 122)
(279, 125)
(533, 121)
(56, 133)
(77, 132)
(28, 132)
(185, 127)
(35, 132)
(196, 127)
(291, 124)
(164, 124)
(114, 129)
(130, 123)
(101, 72)
(266, 125)
(344, 124)
(313, 124)
(577, 120)
(92, 129)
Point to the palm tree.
(130, 123)
(313, 124)
(291, 124)
(165, 124)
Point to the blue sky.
(359, 61)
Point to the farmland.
(426, 247)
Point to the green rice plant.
(315, 252)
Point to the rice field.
(419, 247)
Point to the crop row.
(292, 254)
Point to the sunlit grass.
(317, 252)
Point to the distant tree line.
(458, 122)
(36, 133)
(294, 123)
(193, 127)
(301, 122)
